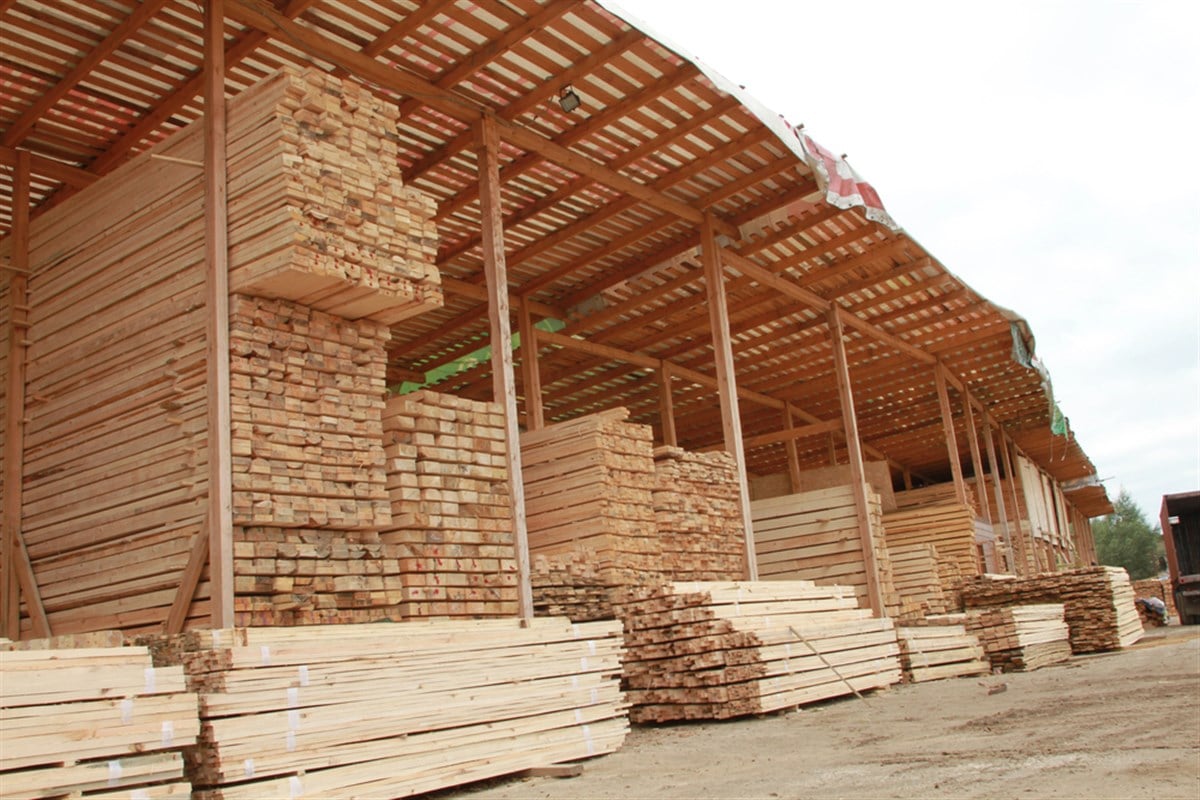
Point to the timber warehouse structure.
(318, 312)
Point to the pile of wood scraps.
(101, 721)
(451, 526)
(940, 647)
(1099, 602)
(1021, 638)
(390, 710)
(814, 536)
(696, 512)
(716, 650)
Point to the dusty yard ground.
(1118, 725)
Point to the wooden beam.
(666, 405)
(998, 488)
(49, 168)
(601, 350)
(1015, 484)
(858, 472)
(960, 489)
(793, 455)
(790, 434)
(216, 251)
(531, 378)
(985, 508)
(731, 422)
(503, 388)
(18, 577)
(197, 558)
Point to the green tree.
(1125, 539)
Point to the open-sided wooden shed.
(665, 245)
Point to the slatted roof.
(602, 209)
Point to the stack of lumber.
(936, 494)
(916, 577)
(941, 647)
(571, 585)
(394, 710)
(1021, 638)
(814, 536)
(1099, 602)
(306, 403)
(447, 477)
(716, 650)
(950, 527)
(116, 448)
(1154, 587)
(697, 513)
(101, 721)
(588, 488)
(318, 211)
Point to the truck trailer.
(1181, 537)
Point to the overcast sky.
(1045, 152)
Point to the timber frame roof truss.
(602, 210)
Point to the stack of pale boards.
(381, 710)
(716, 650)
(1021, 638)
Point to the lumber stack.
(1154, 587)
(588, 488)
(950, 527)
(447, 477)
(1021, 638)
(571, 585)
(697, 513)
(306, 397)
(1099, 602)
(318, 211)
(942, 647)
(814, 536)
(935, 494)
(917, 579)
(716, 650)
(392, 710)
(101, 721)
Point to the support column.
(531, 376)
(858, 472)
(503, 388)
(666, 405)
(985, 508)
(793, 455)
(18, 577)
(731, 421)
(990, 445)
(216, 249)
(939, 377)
(1016, 486)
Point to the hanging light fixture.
(568, 99)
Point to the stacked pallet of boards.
(940, 647)
(697, 516)
(916, 576)
(717, 650)
(1099, 602)
(950, 527)
(814, 536)
(116, 443)
(451, 517)
(101, 721)
(1021, 638)
(588, 490)
(572, 586)
(395, 710)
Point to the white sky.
(1045, 152)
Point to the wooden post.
(1014, 485)
(18, 574)
(858, 476)
(939, 377)
(503, 388)
(990, 445)
(906, 476)
(833, 461)
(731, 421)
(216, 248)
(666, 405)
(985, 508)
(793, 453)
(531, 376)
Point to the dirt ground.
(1115, 725)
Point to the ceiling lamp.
(568, 99)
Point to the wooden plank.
(718, 310)
(976, 461)
(793, 454)
(503, 389)
(531, 377)
(858, 475)
(666, 405)
(960, 489)
(1001, 506)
